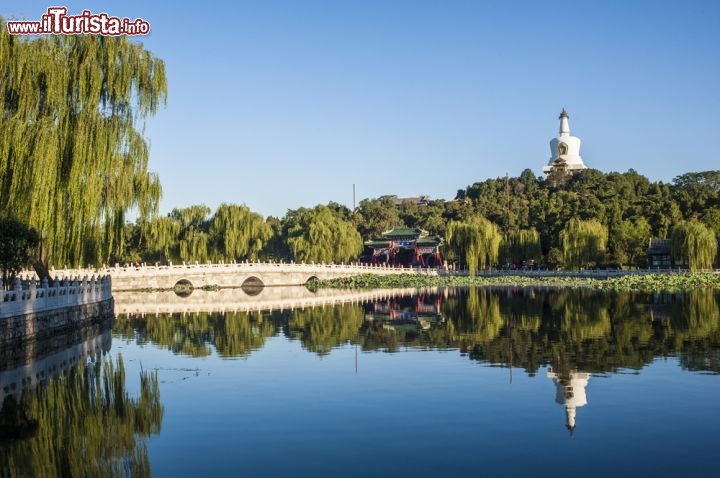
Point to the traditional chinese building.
(660, 254)
(405, 247)
(564, 150)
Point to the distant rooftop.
(419, 200)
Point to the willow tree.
(237, 233)
(583, 242)
(73, 159)
(321, 235)
(521, 246)
(476, 242)
(694, 243)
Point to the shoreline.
(627, 283)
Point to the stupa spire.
(564, 124)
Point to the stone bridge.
(245, 274)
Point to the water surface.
(504, 382)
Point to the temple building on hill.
(404, 247)
(564, 150)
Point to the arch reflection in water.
(183, 288)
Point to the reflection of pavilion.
(571, 392)
(422, 310)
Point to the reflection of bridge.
(232, 300)
(232, 275)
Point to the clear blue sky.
(287, 104)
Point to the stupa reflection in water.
(570, 391)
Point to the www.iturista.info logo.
(57, 21)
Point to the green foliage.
(321, 235)
(375, 216)
(16, 243)
(237, 233)
(521, 246)
(695, 244)
(476, 242)
(583, 243)
(628, 241)
(73, 159)
(696, 192)
(192, 235)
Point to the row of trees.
(590, 219)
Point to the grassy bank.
(644, 282)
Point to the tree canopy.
(476, 242)
(73, 159)
(583, 243)
(695, 244)
(321, 235)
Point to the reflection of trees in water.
(696, 325)
(525, 327)
(238, 334)
(600, 332)
(232, 334)
(323, 328)
(474, 316)
(81, 424)
(695, 315)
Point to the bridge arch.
(252, 286)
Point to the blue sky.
(287, 104)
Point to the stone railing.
(143, 268)
(28, 296)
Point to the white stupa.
(565, 150)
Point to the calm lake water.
(508, 382)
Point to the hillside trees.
(73, 159)
(375, 216)
(628, 241)
(696, 192)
